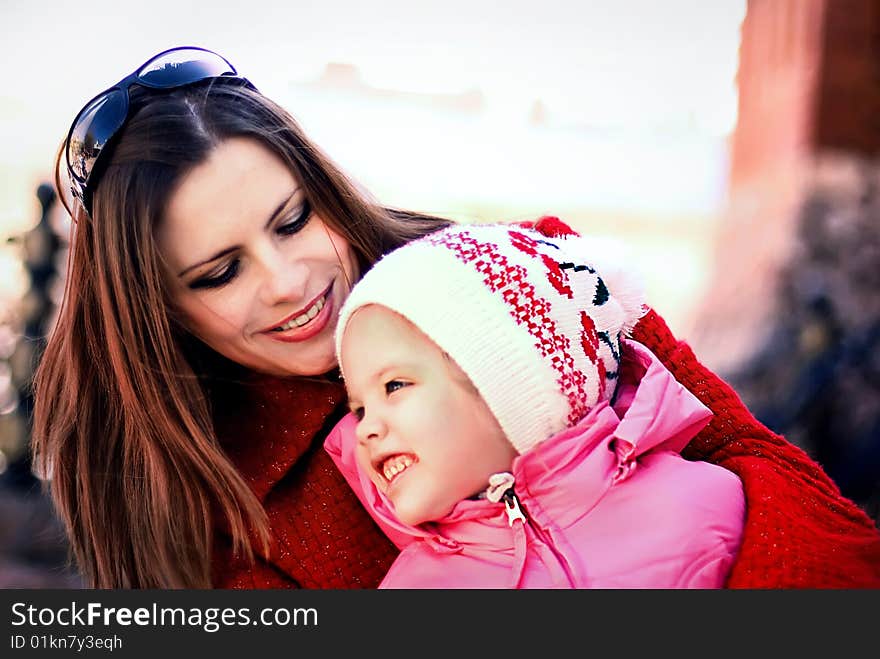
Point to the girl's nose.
(371, 427)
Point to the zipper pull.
(512, 507)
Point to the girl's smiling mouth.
(392, 466)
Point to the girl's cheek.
(363, 461)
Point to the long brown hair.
(122, 421)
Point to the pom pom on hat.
(532, 320)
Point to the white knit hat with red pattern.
(535, 322)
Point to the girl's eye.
(358, 413)
(297, 223)
(217, 281)
(393, 385)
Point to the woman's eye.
(393, 385)
(297, 223)
(216, 281)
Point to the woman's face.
(258, 276)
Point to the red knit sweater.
(799, 532)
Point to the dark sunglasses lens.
(98, 122)
(181, 67)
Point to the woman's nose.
(284, 279)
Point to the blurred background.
(730, 149)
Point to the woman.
(185, 393)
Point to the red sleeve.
(800, 532)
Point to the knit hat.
(528, 318)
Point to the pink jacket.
(609, 503)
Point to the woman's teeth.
(395, 465)
(303, 318)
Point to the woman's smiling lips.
(304, 323)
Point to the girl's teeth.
(395, 465)
(303, 318)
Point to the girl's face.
(425, 437)
(258, 276)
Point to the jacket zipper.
(512, 507)
(515, 512)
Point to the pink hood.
(592, 493)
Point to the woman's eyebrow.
(228, 250)
(280, 208)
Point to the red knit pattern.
(800, 532)
(555, 275)
(590, 345)
(527, 309)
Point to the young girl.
(507, 434)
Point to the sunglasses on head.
(105, 115)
